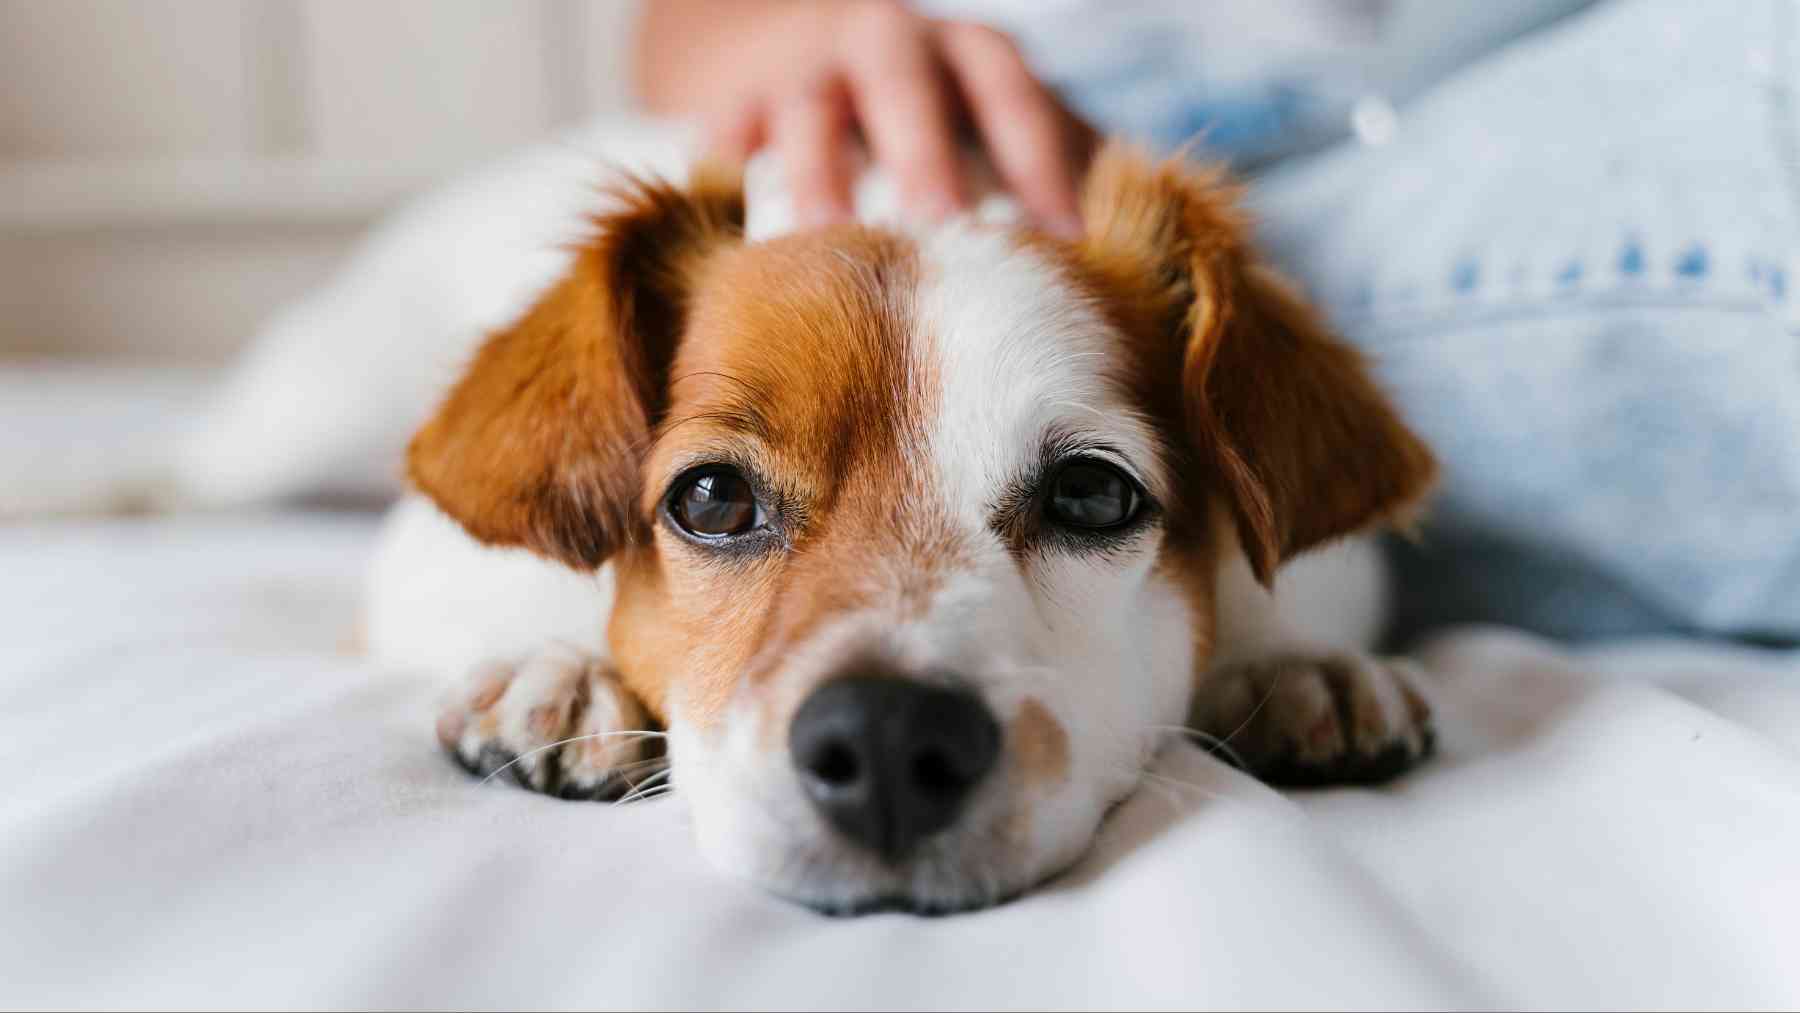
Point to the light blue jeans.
(1572, 264)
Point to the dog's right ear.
(539, 444)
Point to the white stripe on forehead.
(1017, 353)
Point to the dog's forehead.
(797, 347)
(950, 355)
(1025, 357)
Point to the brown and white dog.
(917, 543)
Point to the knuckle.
(812, 96)
(921, 164)
(989, 41)
(880, 19)
(880, 35)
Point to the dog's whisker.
(1176, 782)
(1254, 711)
(1165, 782)
(1214, 744)
(634, 785)
(637, 765)
(1260, 704)
(649, 792)
(1211, 743)
(651, 786)
(1163, 791)
(528, 754)
(649, 796)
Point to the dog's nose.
(890, 761)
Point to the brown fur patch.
(1040, 744)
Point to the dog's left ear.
(1287, 421)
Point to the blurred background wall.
(172, 170)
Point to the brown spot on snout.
(1040, 745)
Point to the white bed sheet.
(210, 801)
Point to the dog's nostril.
(836, 764)
(933, 771)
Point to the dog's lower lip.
(898, 904)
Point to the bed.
(212, 801)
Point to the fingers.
(904, 106)
(1034, 144)
(906, 83)
(811, 130)
(734, 138)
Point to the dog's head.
(915, 536)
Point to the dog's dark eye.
(715, 504)
(1089, 494)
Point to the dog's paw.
(556, 721)
(1303, 720)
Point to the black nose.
(890, 761)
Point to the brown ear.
(1285, 417)
(539, 443)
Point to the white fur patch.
(441, 602)
(1019, 355)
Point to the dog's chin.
(934, 893)
(966, 869)
(896, 904)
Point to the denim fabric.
(1174, 72)
(1572, 261)
(1573, 265)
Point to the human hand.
(807, 77)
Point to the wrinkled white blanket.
(210, 801)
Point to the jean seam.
(1444, 320)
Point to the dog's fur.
(899, 396)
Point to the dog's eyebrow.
(742, 419)
(1058, 444)
(739, 412)
(750, 389)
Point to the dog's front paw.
(1305, 720)
(556, 721)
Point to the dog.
(901, 549)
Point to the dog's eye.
(715, 504)
(1089, 494)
